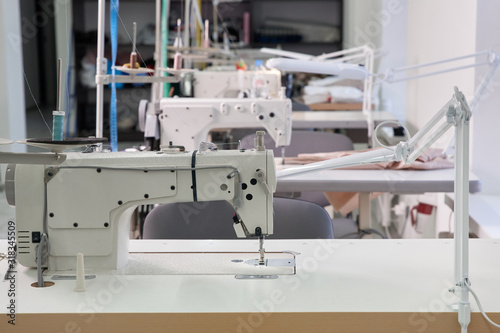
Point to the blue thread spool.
(57, 125)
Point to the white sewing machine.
(188, 121)
(83, 202)
(229, 84)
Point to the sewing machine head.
(232, 83)
(84, 203)
(189, 120)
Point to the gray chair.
(296, 106)
(313, 142)
(306, 142)
(293, 219)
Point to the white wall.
(360, 25)
(438, 30)
(393, 46)
(450, 28)
(12, 107)
(485, 122)
(428, 31)
(382, 23)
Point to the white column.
(12, 106)
(484, 124)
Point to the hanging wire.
(131, 40)
(34, 100)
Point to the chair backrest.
(296, 106)
(305, 142)
(293, 219)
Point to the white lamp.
(454, 113)
(336, 63)
(347, 71)
(5, 141)
(490, 58)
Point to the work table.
(339, 286)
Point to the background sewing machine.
(230, 84)
(218, 104)
(83, 202)
(188, 121)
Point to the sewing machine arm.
(84, 204)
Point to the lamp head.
(5, 141)
(343, 70)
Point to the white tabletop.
(406, 278)
(337, 119)
(393, 181)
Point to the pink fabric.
(431, 159)
(345, 202)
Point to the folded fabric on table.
(345, 202)
(430, 159)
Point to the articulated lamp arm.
(369, 157)
(457, 113)
(408, 151)
(454, 111)
(488, 57)
(338, 66)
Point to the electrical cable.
(467, 285)
(388, 234)
(407, 133)
(42, 252)
(370, 231)
(39, 264)
(41, 256)
(349, 234)
(361, 233)
(34, 100)
(193, 175)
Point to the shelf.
(262, 44)
(107, 79)
(307, 48)
(126, 1)
(138, 46)
(293, 0)
(133, 94)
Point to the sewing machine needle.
(261, 250)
